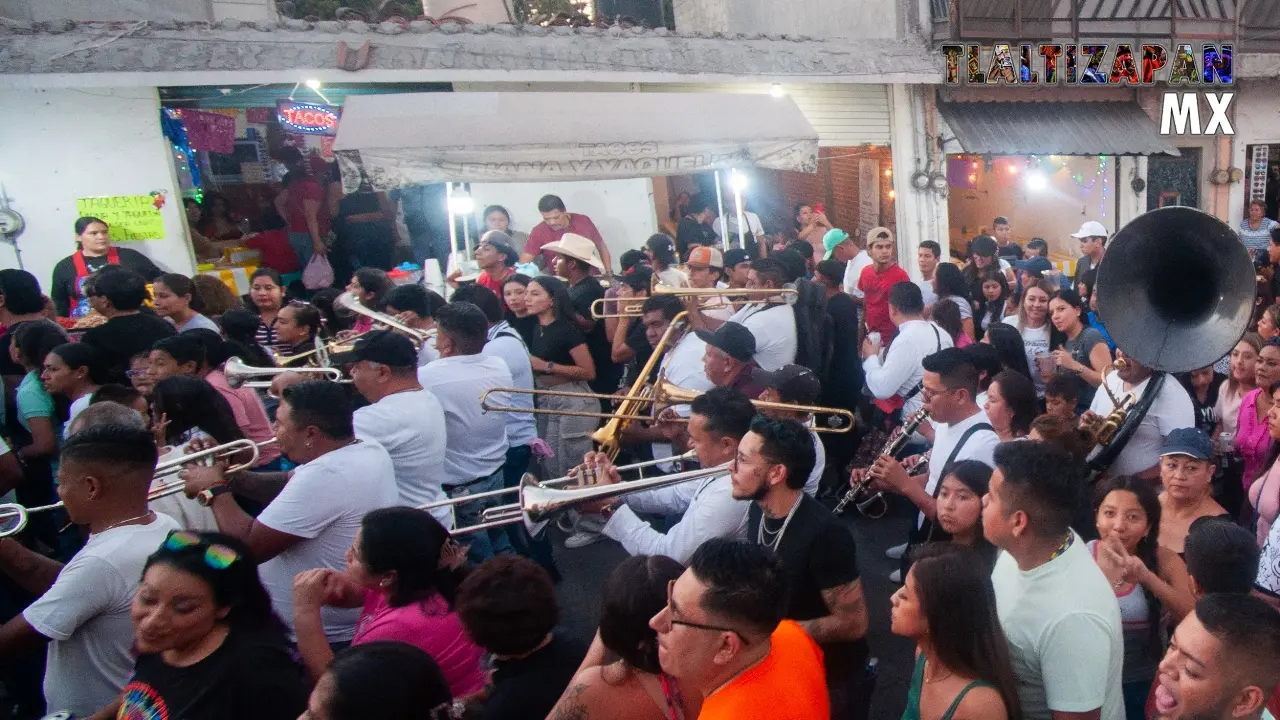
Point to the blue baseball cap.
(1037, 265)
(1192, 442)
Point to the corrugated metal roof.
(1054, 128)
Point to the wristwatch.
(205, 497)
(551, 367)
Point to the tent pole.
(724, 230)
(737, 204)
(452, 260)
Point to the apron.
(80, 304)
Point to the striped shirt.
(1256, 239)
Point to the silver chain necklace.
(777, 539)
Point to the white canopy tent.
(416, 138)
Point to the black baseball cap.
(734, 256)
(795, 383)
(734, 339)
(380, 346)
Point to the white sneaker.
(896, 552)
(581, 539)
(895, 576)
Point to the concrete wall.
(59, 145)
(816, 18)
(124, 10)
(621, 209)
(1257, 122)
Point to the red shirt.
(876, 286)
(542, 234)
(495, 285)
(300, 191)
(277, 254)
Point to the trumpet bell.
(1176, 290)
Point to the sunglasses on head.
(218, 557)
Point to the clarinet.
(896, 442)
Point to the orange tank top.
(790, 684)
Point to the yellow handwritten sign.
(130, 217)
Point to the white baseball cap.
(1092, 228)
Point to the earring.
(384, 583)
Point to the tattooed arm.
(573, 704)
(848, 618)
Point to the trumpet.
(320, 355)
(633, 309)
(14, 517)
(349, 301)
(856, 494)
(540, 502)
(665, 393)
(583, 476)
(239, 374)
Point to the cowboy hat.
(578, 248)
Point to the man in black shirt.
(819, 558)
(117, 294)
(695, 227)
(575, 257)
(508, 607)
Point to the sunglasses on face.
(218, 557)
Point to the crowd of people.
(357, 548)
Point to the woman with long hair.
(383, 680)
(561, 361)
(962, 669)
(1253, 441)
(949, 284)
(1269, 323)
(37, 414)
(174, 298)
(497, 218)
(404, 571)
(209, 645)
(266, 297)
(240, 328)
(514, 291)
(994, 301)
(1078, 349)
(960, 507)
(212, 296)
(297, 328)
(1145, 576)
(1032, 323)
(1007, 341)
(1011, 405)
(1264, 490)
(186, 407)
(94, 251)
(74, 371)
(370, 286)
(632, 686)
(1241, 379)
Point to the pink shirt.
(1265, 498)
(1253, 440)
(250, 415)
(431, 626)
(542, 234)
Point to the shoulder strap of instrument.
(956, 451)
(1108, 454)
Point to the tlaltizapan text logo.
(1104, 65)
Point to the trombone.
(633, 309)
(540, 502)
(239, 374)
(349, 301)
(666, 393)
(14, 517)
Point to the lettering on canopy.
(307, 118)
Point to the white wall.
(59, 145)
(621, 209)
(816, 18)
(1257, 122)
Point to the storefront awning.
(1054, 128)
(415, 138)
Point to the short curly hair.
(508, 605)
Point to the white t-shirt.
(505, 343)
(853, 273)
(199, 322)
(819, 465)
(77, 406)
(926, 291)
(902, 369)
(980, 446)
(683, 367)
(1171, 410)
(1268, 581)
(86, 615)
(323, 504)
(187, 512)
(672, 277)
(1062, 622)
(428, 352)
(410, 427)
(774, 327)
(477, 439)
(1035, 341)
(754, 226)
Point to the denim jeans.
(302, 247)
(484, 544)
(537, 549)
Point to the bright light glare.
(776, 90)
(313, 83)
(1036, 181)
(461, 205)
(738, 182)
